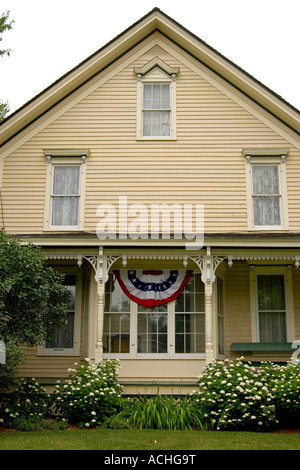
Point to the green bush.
(90, 395)
(28, 402)
(235, 395)
(162, 412)
(232, 395)
(284, 384)
(8, 371)
(42, 424)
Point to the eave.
(233, 240)
(155, 20)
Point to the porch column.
(100, 321)
(208, 323)
(208, 278)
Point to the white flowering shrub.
(284, 384)
(235, 395)
(29, 401)
(91, 394)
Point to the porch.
(236, 302)
(248, 300)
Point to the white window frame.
(156, 71)
(286, 271)
(174, 313)
(151, 354)
(133, 345)
(65, 158)
(75, 351)
(266, 157)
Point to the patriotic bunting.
(152, 287)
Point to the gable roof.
(153, 21)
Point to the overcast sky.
(50, 37)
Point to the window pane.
(147, 96)
(65, 211)
(265, 179)
(190, 318)
(66, 180)
(221, 342)
(271, 292)
(272, 327)
(63, 336)
(152, 330)
(266, 210)
(156, 123)
(115, 299)
(189, 333)
(165, 103)
(156, 96)
(116, 333)
(192, 297)
(271, 308)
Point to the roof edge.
(107, 54)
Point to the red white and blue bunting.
(152, 287)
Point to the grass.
(156, 440)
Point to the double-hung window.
(116, 330)
(271, 304)
(152, 330)
(156, 110)
(266, 195)
(65, 190)
(64, 339)
(190, 318)
(156, 100)
(267, 198)
(65, 196)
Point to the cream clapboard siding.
(47, 368)
(237, 305)
(204, 165)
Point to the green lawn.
(115, 439)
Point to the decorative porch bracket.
(208, 264)
(101, 264)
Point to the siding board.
(204, 165)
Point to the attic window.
(156, 109)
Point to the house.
(163, 180)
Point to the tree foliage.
(33, 298)
(4, 109)
(4, 26)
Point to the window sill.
(149, 138)
(64, 229)
(269, 228)
(57, 353)
(154, 356)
